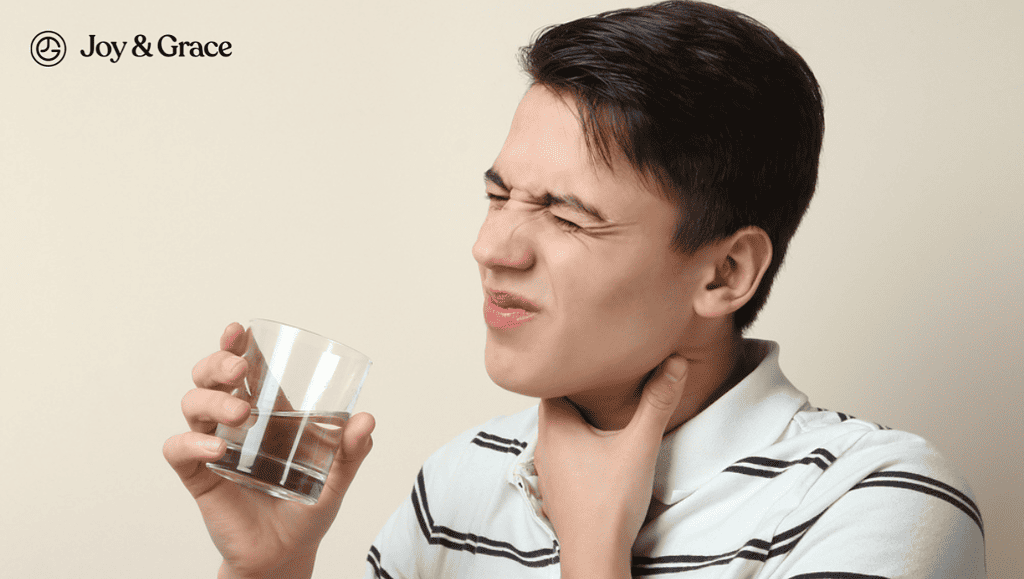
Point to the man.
(639, 209)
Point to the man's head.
(637, 204)
(711, 108)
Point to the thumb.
(661, 396)
(356, 443)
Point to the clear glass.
(301, 388)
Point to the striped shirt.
(759, 485)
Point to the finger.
(233, 339)
(221, 370)
(204, 409)
(356, 444)
(356, 439)
(661, 396)
(188, 454)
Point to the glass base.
(298, 486)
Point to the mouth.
(504, 310)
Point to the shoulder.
(869, 448)
(483, 452)
(889, 492)
(835, 441)
(464, 513)
(868, 455)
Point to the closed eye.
(495, 199)
(566, 224)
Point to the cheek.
(631, 311)
(600, 285)
(652, 317)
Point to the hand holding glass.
(301, 388)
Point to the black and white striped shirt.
(759, 485)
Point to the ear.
(739, 262)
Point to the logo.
(48, 48)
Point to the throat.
(711, 374)
(608, 410)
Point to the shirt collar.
(751, 416)
(748, 418)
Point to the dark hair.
(709, 105)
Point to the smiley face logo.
(48, 48)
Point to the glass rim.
(303, 330)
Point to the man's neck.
(712, 373)
(713, 370)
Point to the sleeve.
(893, 509)
(397, 551)
(404, 547)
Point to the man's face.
(583, 293)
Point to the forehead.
(547, 152)
(545, 125)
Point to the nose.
(503, 243)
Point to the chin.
(516, 382)
(511, 374)
(547, 376)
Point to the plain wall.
(328, 174)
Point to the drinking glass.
(301, 388)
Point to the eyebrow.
(550, 199)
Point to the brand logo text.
(167, 45)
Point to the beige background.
(328, 174)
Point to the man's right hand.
(258, 535)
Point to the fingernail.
(233, 365)
(675, 368)
(235, 407)
(211, 446)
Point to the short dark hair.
(719, 113)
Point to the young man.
(639, 209)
